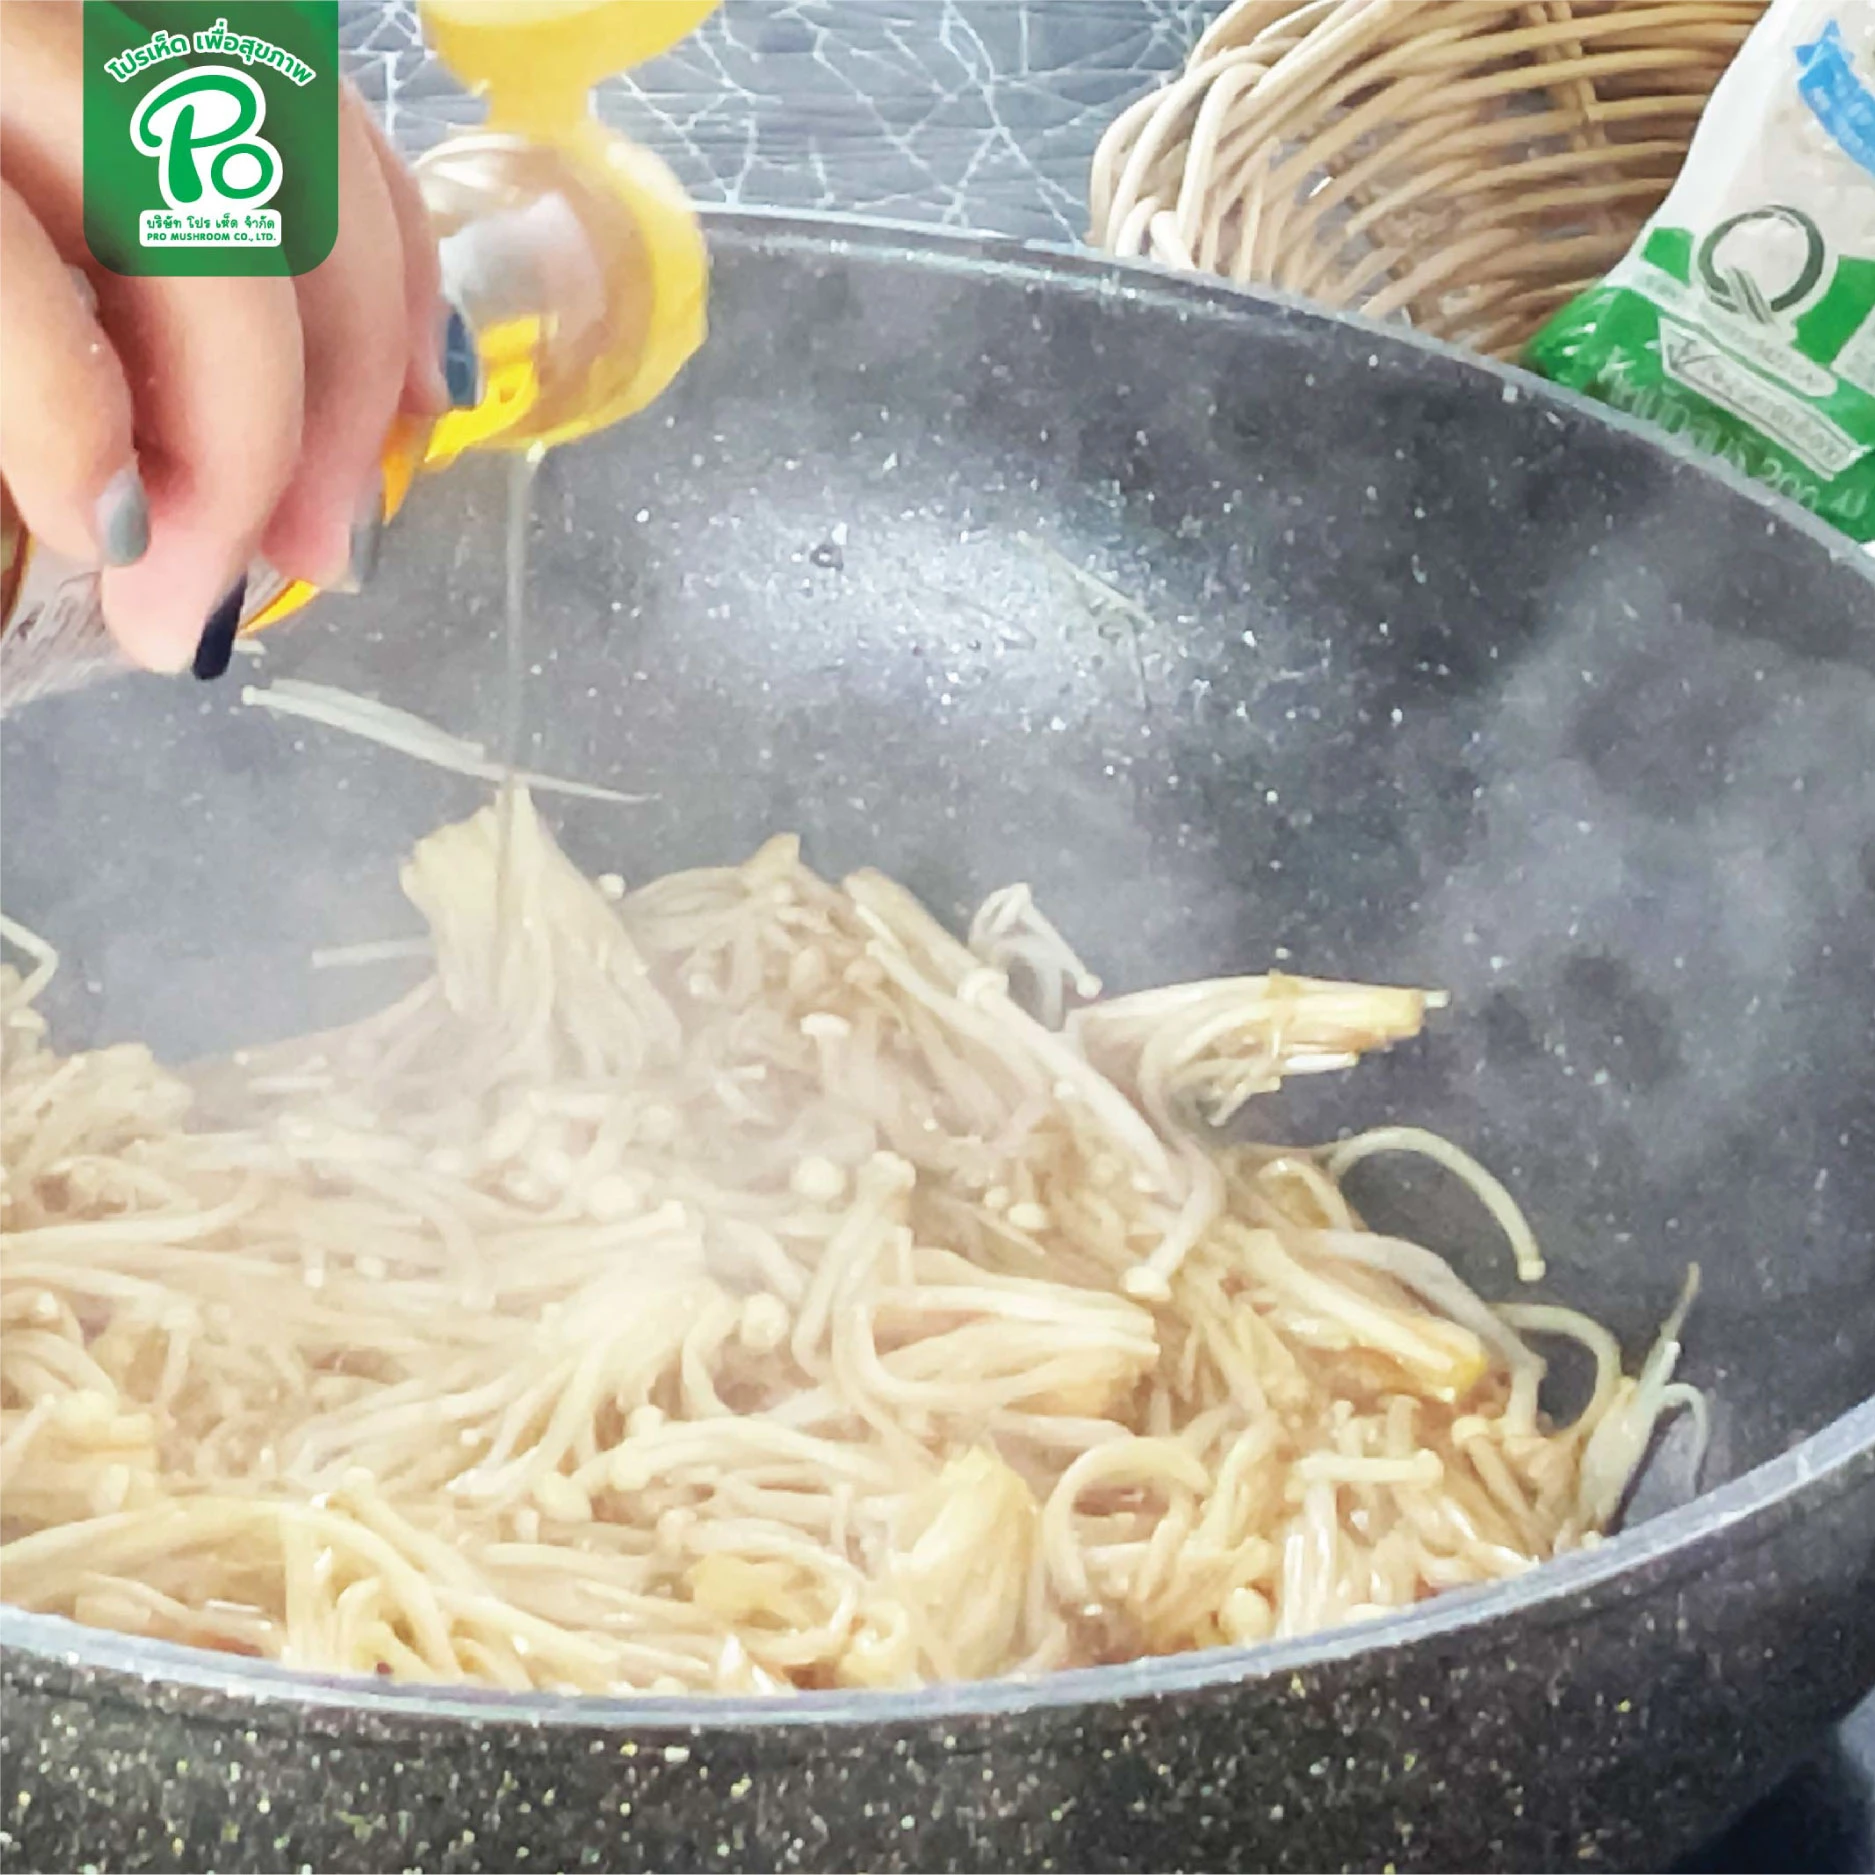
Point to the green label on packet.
(211, 135)
(1753, 339)
(1744, 317)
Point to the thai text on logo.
(202, 126)
(162, 46)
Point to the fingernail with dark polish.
(366, 537)
(122, 518)
(462, 363)
(216, 649)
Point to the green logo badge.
(211, 135)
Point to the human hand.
(172, 428)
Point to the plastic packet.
(1744, 316)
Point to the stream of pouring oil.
(521, 474)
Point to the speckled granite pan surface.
(1270, 767)
(976, 113)
(968, 113)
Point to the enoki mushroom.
(743, 1284)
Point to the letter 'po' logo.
(200, 125)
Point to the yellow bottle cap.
(679, 263)
(535, 60)
(675, 263)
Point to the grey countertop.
(969, 113)
(977, 114)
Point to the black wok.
(1434, 676)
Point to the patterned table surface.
(978, 114)
(967, 113)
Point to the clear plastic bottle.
(572, 253)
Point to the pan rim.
(1838, 1458)
(834, 232)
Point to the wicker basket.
(1464, 164)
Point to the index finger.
(212, 366)
(215, 373)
